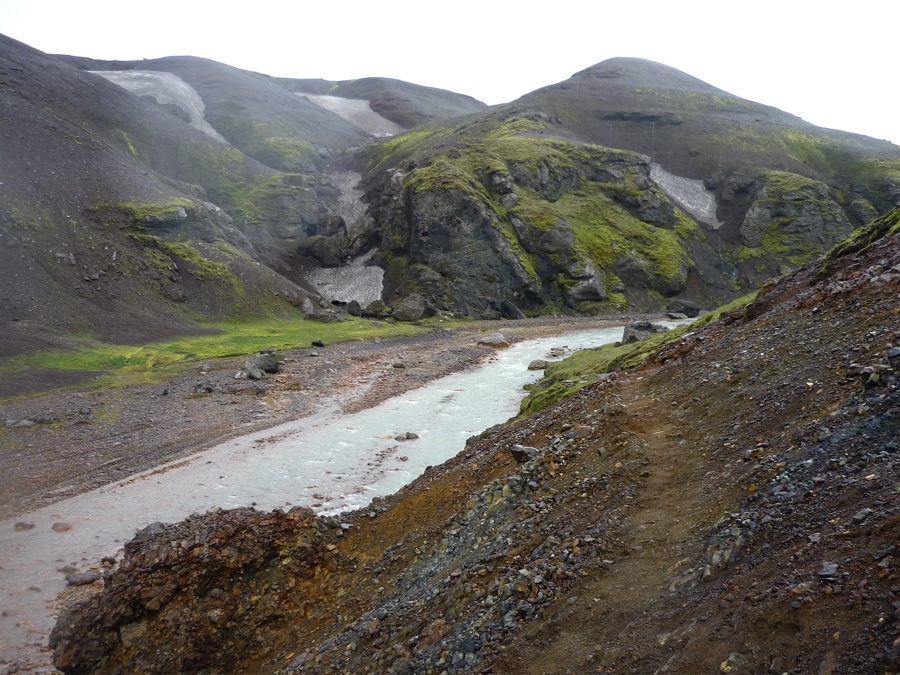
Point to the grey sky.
(832, 67)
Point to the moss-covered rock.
(541, 223)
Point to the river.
(328, 461)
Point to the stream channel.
(327, 461)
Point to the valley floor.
(732, 506)
(93, 436)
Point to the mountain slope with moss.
(113, 214)
(487, 210)
(529, 203)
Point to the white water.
(328, 461)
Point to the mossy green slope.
(106, 218)
(564, 378)
(555, 206)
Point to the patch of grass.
(564, 378)
(125, 363)
(279, 150)
(140, 210)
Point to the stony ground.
(65, 442)
(730, 507)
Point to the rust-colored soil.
(730, 507)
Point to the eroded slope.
(730, 505)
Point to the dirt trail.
(665, 504)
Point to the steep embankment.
(729, 506)
(767, 191)
(119, 219)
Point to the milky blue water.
(330, 462)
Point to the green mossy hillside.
(529, 186)
(793, 220)
(247, 195)
(564, 378)
(887, 225)
(123, 364)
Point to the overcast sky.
(833, 66)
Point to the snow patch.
(690, 194)
(166, 88)
(354, 281)
(357, 112)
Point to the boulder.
(509, 311)
(414, 307)
(538, 364)
(82, 579)
(249, 374)
(640, 330)
(375, 309)
(524, 453)
(264, 362)
(686, 307)
(496, 340)
(323, 316)
(204, 387)
(257, 366)
(589, 284)
(894, 358)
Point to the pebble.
(23, 526)
(61, 527)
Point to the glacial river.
(328, 461)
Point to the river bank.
(315, 389)
(92, 436)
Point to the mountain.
(729, 504)
(628, 186)
(407, 105)
(112, 214)
(705, 195)
(129, 217)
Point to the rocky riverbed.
(69, 441)
(353, 376)
(730, 507)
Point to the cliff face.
(695, 507)
(755, 192)
(541, 223)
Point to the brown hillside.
(729, 507)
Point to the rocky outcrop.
(169, 571)
(793, 207)
(686, 307)
(550, 225)
(641, 330)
